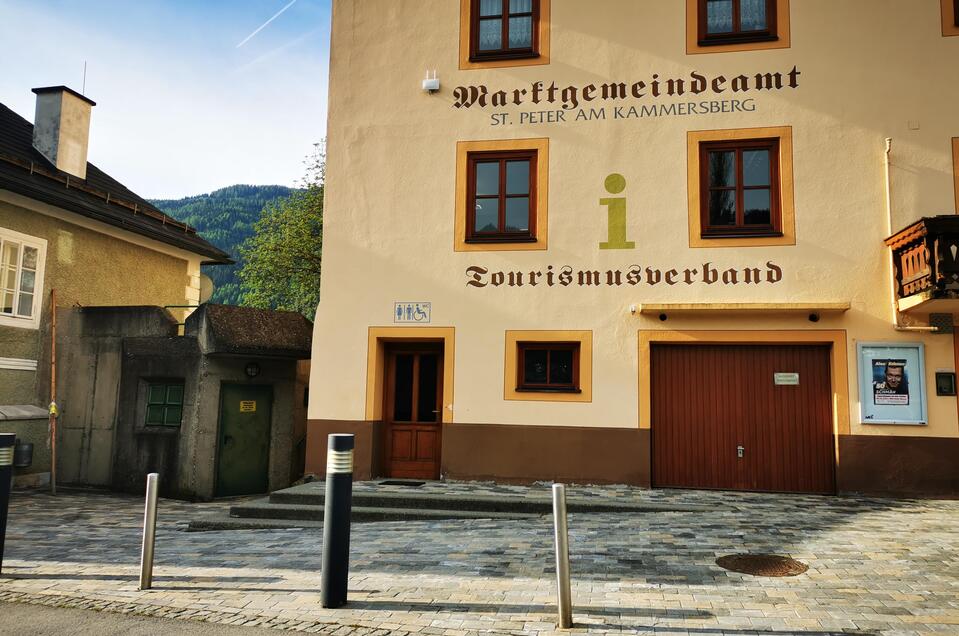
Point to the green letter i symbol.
(616, 207)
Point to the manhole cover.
(762, 564)
(399, 482)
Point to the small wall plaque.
(945, 383)
(786, 379)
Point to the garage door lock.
(739, 451)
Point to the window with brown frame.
(739, 188)
(504, 29)
(548, 366)
(736, 21)
(501, 198)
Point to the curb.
(207, 616)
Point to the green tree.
(281, 260)
(225, 218)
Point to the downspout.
(888, 187)
(892, 289)
(53, 392)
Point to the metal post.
(149, 533)
(7, 441)
(561, 539)
(336, 521)
(53, 392)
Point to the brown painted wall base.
(921, 466)
(367, 454)
(509, 453)
(504, 453)
(898, 466)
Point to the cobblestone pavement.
(876, 566)
(22, 619)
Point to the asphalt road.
(18, 619)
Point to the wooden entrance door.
(243, 456)
(413, 411)
(720, 418)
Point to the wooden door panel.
(426, 445)
(402, 445)
(708, 400)
(413, 412)
(689, 455)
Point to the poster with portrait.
(892, 383)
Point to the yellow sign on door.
(247, 406)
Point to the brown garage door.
(713, 403)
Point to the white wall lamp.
(432, 82)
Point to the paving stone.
(877, 566)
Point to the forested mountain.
(225, 218)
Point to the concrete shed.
(217, 411)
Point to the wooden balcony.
(925, 265)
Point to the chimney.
(61, 128)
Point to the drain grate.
(400, 482)
(762, 564)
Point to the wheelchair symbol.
(411, 312)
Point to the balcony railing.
(925, 263)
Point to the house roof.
(253, 332)
(24, 171)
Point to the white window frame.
(33, 322)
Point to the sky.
(192, 95)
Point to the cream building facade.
(643, 242)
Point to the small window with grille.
(164, 403)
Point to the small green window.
(164, 404)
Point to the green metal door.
(244, 446)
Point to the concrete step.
(265, 509)
(313, 495)
(262, 514)
(223, 522)
(302, 507)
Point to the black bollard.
(336, 521)
(7, 441)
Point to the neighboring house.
(643, 242)
(67, 226)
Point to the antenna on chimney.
(83, 89)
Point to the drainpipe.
(53, 392)
(888, 187)
(892, 290)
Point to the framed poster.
(892, 383)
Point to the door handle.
(740, 451)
